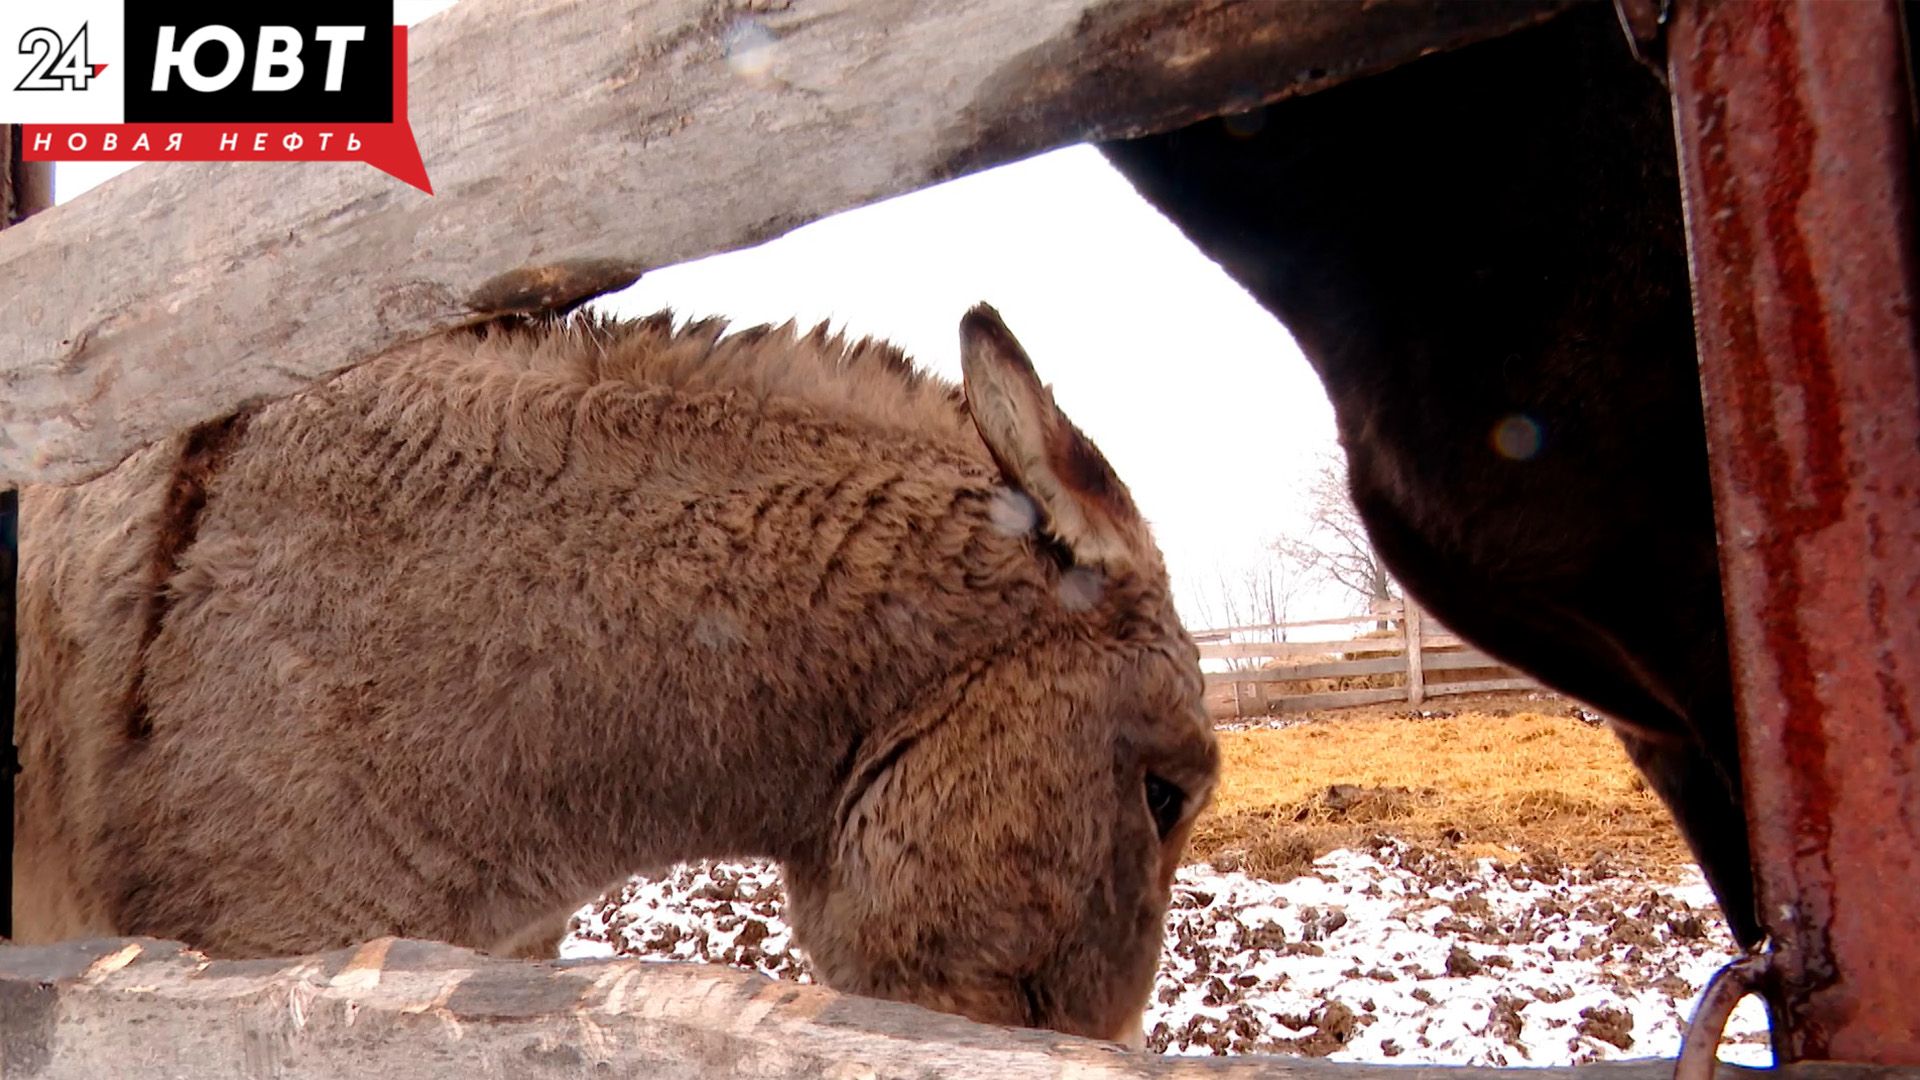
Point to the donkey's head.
(1006, 850)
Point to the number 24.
(57, 65)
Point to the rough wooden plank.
(1252, 650)
(1332, 669)
(1482, 686)
(26, 188)
(1435, 642)
(1338, 699)
(1437, 645)
(1340, 669)
(135, 1009)
(1463, 660)
(1294, 624)
(9, 510)
(573, 147)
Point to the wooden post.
(9, 754)
(1411, 626)
(24, 188)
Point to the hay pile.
(1544, 788)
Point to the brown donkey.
(447, 646)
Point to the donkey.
(448, 645)
(1482, 255)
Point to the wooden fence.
(137, 1009)
(1295, 673)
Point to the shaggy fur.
(1494, 236)
(447, 646)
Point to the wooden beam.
(1336, 699)
(1257, 650)
(1483, 686)
(575, 146)
(1415, 655)
(1435, 640)
(9, 669)
(1337, 669)
(1338, 620)
(26, 188)
(135, 1009)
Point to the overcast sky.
(1197, 396)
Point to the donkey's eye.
(1165, 800)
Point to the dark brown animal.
(450, 644)
(1482, 255)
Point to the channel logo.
(126, 80)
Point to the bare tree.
(1335, 546)
(1253, 596)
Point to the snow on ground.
(1396, 955)
(708, 912)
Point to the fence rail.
(135, 1009)
(1419, 649)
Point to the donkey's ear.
(1082, 503)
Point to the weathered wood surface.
(1415, 650)
(1252, 650)
(1348, 648)
(1378, 646)
(1262, 704)
(1385, 613)
(136, 1008)
(1249, 650)
(1480, 686)
(26, 188)
(1384, 665)
(573, 147)
(1247, 695)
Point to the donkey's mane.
(863, 383)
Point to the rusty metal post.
(1795, 132)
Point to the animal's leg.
(1694, 790)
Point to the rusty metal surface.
(1795, 150)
